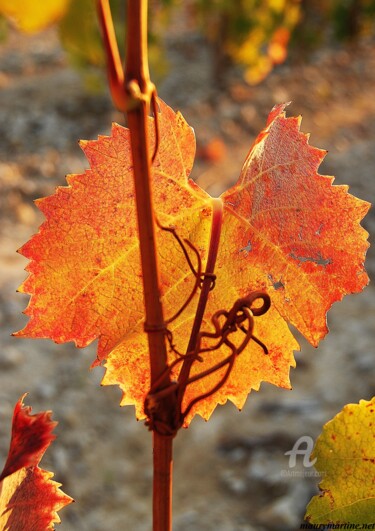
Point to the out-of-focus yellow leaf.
(255, 73)
(277, 5)
(345, 453)
(32, 16)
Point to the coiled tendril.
(226, 323)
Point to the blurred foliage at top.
(255, 34)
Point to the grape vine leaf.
(282, 232)
(29, 499)
(345, 453)
(30, 17)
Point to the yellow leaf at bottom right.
(345, 453)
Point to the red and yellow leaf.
(31, 436)
(296, 235)
(85, 277)
(29, 499)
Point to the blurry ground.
(230, 472)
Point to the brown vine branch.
(114, 67)
(134, 94)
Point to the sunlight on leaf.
(345, 453)
(282, 232)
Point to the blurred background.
(224, 64)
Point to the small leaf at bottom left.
(29, 498)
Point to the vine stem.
(217, 218)
(132, 92)
(137, 70)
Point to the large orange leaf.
(29, 499)
(85, 276)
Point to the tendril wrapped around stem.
(239, 318)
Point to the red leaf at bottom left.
(29, 498)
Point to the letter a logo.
(306, 452)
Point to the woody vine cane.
(132, 94)
(135, 95)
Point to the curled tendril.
(197, 272)
(239, 318)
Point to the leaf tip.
(276, 111)
(83, 143)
